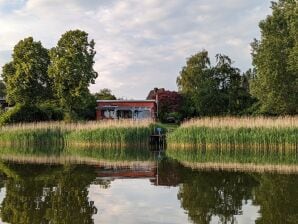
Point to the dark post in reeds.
(157, 140)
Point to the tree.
(212, 90)
(105, 94)
(193, 80)
(72, 70)
(26, 76)
(275, 58)
(169, 103)
(2, 89)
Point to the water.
(136, 186)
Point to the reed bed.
(229, 132)
(111, 132)
(243, 122)
(87, 125)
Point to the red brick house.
(126, 109)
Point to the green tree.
(275, 58)
(2, 89)
(105, 94)
(26, 76)
(212, 90)
(72, 70)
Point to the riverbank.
(233, 132)
(105, 133)
(217, 132)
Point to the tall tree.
(211, 90)
(105, 94)
(194, 83)
(72, 70)
(275, 58)
(26, 76)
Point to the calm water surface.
(161, 192)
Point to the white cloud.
(139, 44)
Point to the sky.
(140, 44)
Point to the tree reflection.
(278, 198)
(48, 195)
(207, 194)
(221, 194)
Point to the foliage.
(87, 111)
(275, 58)
(212, 90)
(105, 94)
(52, 110)
(169, 104)
(26, 76)
(23, 113)
(72, 70)
(2, 89)
(47, 111)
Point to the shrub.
(52, 110)
(23, 113)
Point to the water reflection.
(61, 194)
(46, 194)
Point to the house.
(126, 109)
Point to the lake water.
(129, 186)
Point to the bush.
(23, 113)
(31, 113)
(52, 110)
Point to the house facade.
(126, 109)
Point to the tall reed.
(112, 132)
(227, 132)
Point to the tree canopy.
(212, 90)
(72, 70)
(275, 58)
(26, 76)
(105, 94)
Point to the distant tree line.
(52, 84)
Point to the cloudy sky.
(140, 44)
